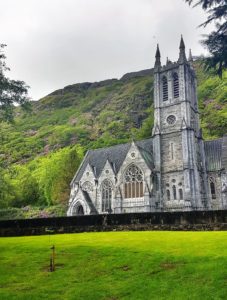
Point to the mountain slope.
(92, 115)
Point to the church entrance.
(79, 210)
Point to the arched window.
(212, 188)
(175, 85)
(181, 194)
(164, 88)
(106, 195)
(133, 186)
(168, 194)
(174, 192)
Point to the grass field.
(116, 265)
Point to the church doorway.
(80, 210)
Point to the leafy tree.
(11, 91)
(5, 189)
(24, 186)
(54, 173)
(216, 41)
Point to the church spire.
(190, 59)
(157, 58)
(182, 56)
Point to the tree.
(11, 91)
(216, 41)
(54, 173)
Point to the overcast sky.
(54, 43)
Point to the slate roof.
(213, 154)
(115, 155)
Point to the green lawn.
(116, 265)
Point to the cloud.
(54, 43)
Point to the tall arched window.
(168, 194)
(164, 88)
(133, 186)
(181, 194)
(175, 85)
(212, 188)
(174, 192)
(106, 195)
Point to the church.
(173, 170)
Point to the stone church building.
(173, 170)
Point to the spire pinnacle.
(190, 59)
(182, 56)
(182, 45)
(157, 55)
(157, 58)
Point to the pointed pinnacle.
(182, 45)
(190, 59)
(157, 55)
(182, 56)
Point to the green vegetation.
(216, 40)
(116, 265)
(41, 151)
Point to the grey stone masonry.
(174, 170)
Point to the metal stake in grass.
(52, 259)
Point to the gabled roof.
(115, 155)
(213, 154)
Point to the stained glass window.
(133, 187)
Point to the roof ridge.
(129, 143)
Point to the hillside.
(71, 120)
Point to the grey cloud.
(54, 43)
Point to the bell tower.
(177, 142)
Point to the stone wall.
(193, 220)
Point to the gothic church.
(174, 170)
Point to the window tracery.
(87, 186)
(133, 182)
(171, 119)
(106, 190)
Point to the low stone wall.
(193, 220)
